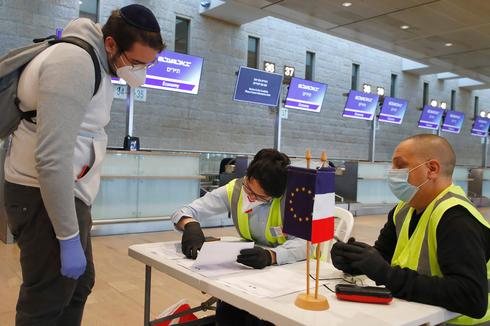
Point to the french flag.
(322, 228)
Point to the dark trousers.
(228, 315)
(45, 296)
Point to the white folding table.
(281, 310)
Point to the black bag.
(11, 66)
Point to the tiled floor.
(117, 298)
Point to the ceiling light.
(448, 44)
(347, 4)
(380, 91)
(433, 103)
(483, 114)
(366, 88)
(488, 115)
(80, 2)
(404, 27)
(443, 105)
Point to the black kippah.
(140, 17)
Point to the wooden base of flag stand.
(308, 302)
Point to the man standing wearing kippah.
(52, 170)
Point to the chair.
(344, 222)
(223, 163)
(224, 177)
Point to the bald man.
(435, 246)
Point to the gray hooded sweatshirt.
(69, 135)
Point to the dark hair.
(269, 168)
(126, 35)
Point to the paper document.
(219, 258)
(272, 282)
(220, 252)
(167, 250)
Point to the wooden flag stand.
(306, 300)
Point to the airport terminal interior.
(335, 85)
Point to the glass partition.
(136, 185)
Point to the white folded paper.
(219, 258)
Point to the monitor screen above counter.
(257, 86)
(305, 95)
(430, 118)
(393, 110)
(453, 122)
(480, 127)
(360, 105)
(172, 71)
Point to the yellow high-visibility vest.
(419, 252)
(240, 219)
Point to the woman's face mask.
(248, 203)
(399, 186)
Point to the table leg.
(147, 294)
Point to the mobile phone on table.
(368, 294)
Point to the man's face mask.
(399, 186)
(134, 75)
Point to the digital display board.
(430, 117)
(305, 95)
(453, 122)
(360, 105)
(480, 127)
(257, 86)
(174, 72)
(393, 110)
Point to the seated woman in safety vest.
(435, 245)
(255, 203)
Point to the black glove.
(368, 260)
(256, 257)
(338, 259)
(192, 239)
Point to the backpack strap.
(31, 115)
(90, 50)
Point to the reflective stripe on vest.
(240, 219)
(419, 252)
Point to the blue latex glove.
(73, 261)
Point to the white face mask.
(134, 78)
(399, 185)
(247, 204)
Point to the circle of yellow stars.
(291, 201)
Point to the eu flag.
(310, 204)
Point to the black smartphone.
(369, 294)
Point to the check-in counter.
(140, 190)
(370, 186)
(461, 177)
(372, 183)
(485, 183)
(479, 186)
